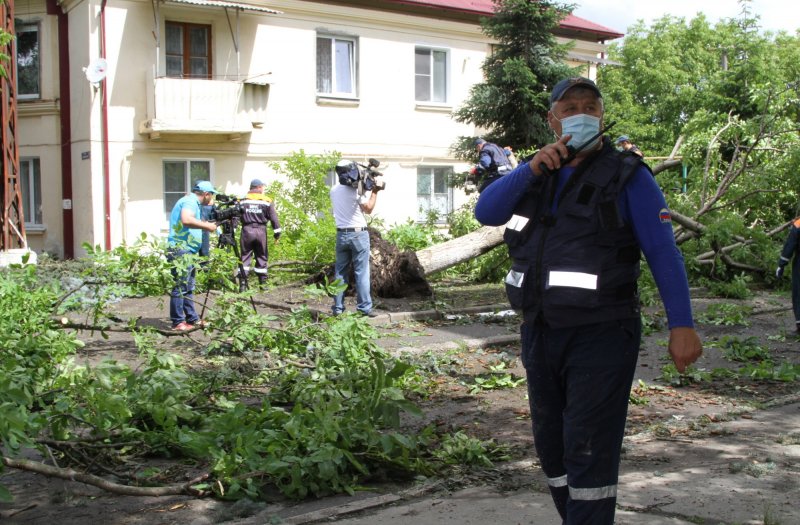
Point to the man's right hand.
(551, 156)
(779, 272)
(684, 347)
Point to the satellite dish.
(96, 70)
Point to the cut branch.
(109, 486)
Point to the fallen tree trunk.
(447, 254)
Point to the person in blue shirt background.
(186, 228)
(575, 232)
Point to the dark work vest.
(579, 265)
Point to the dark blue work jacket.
(575, 261)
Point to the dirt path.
(674, 432)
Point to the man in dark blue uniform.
(257, 211)
(575, 231)
(493, 162)
(790, 249)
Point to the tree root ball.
(392, 273)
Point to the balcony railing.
(199, 106)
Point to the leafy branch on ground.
(286, 403)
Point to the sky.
(620, 14)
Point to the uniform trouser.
(579, 382)
(254, 244)
(796, 290)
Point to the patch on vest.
(664, 215)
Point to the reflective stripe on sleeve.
(572, 280)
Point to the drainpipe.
(68, 232)
(104, 117)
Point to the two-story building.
(123, 104)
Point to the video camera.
(226, 208)
(363, 178)
(225, 211)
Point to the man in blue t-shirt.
(186, 237)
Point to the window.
(180, 177)
(188, 48)
(31, 186)
(433, 193)
(27, 60)
(336, 66)
(430, 75)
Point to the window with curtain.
(336, 65)
(188, 50)
(31, 188)
(28, 73)
(430, 75)
(433, 193)
(180, 176)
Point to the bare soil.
(438, 343)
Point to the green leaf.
(5, 495)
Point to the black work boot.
(262, 281)
(242, 284)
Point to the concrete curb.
(469, 344)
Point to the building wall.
(39, 131)
(384, 121)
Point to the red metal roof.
(486, 7)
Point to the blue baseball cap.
(256, 183)
(568, 83)
(479, 141)
(205, 186)
(622, 138)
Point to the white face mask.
(582, 127)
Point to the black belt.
(359, 229)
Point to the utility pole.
(12, 220)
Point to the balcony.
(224, 108)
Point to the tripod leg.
(205, 301)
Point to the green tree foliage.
(731, 94)
(304, 208)
(5, 40)
(524, 65)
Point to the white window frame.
(431, 75)
(30, 181)
(30, 27)
(422, 211)
(187, 180)
(335, 89)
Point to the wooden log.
(447, 254)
